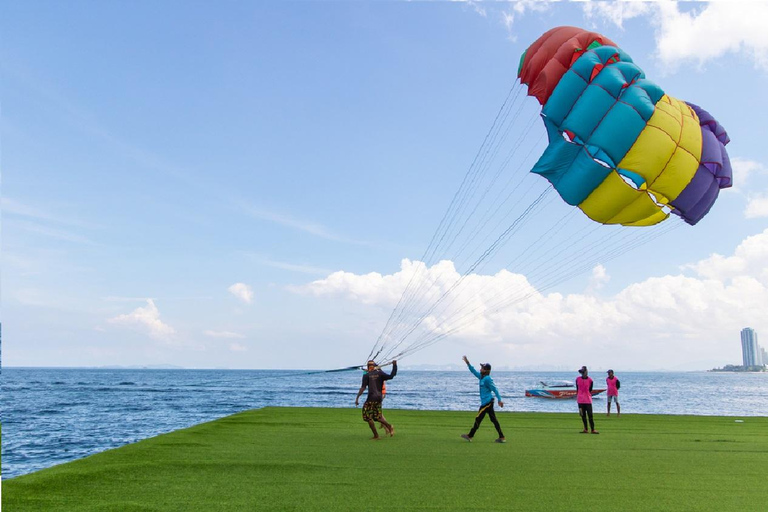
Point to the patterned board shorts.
(371, 411)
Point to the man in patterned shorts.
(374, 381)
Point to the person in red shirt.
(584, 398)
(613, 385)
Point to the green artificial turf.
(322, 459)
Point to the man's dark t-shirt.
(375, 381)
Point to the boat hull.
(557, 393)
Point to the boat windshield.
(558, 384)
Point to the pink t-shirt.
(583, 395)
(612, 389)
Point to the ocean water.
(51, 416)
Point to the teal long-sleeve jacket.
(487, 387)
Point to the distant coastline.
(739, 368)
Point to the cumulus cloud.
(373, 288)
(599, 278)
(618, 12)
(656, 319)
(242, 291)
(744, 169)
(726, 27)
(745, 174)
(749, 258)
(757, 206)
(146, 319)
(224, 334)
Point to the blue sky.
(237, 185)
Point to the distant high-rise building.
(750, 351)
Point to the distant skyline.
(251, 184)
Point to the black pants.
(584, 411)
(486, 409)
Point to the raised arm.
(384, 376)
(471, 368)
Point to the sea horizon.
(427, 368)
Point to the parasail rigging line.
(444, 224)
(488, 252)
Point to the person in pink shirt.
(584, 399)
(613, 392)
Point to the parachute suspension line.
(488, 252)
(493, 248)
(453, 209)
(465, 319)
(429, 284)
(534, 183)
(417, 294)
(486, 165)
(547, 235)
(554, 229)
(470, 177)
(470, 196)
(613, 253)
(519, 222)
(490, 213)
(513, 92)
(470, 317)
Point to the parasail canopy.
(619, 147)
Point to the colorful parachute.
(619, 148)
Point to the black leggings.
(584, 411)
(486, 409)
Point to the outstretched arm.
(472, 368)
(394, 371)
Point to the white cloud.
(700, 32)
(617, 12)
(518, 8)
(147, 320)
(242, 291)
(599, 278)
(749, 258)
(224, 334)
(757, 206)
(744, 170)
(237, 347)
(715, 30)
(478, 7)
(745, 173)
(659, 319)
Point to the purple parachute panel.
(714, 171)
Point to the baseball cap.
(609, 371)
(485, 366)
